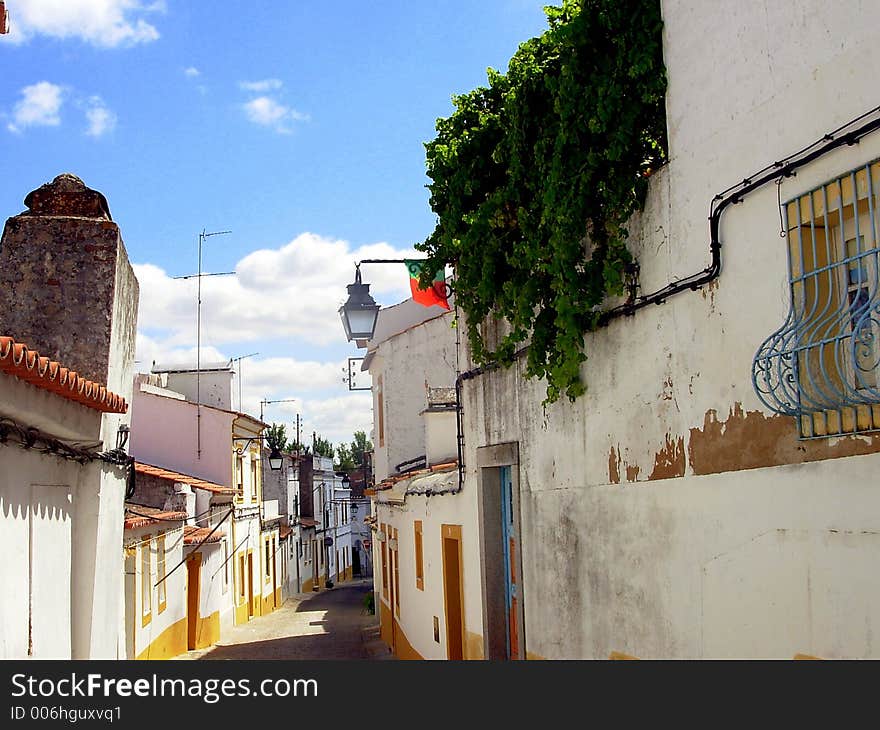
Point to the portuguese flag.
(436, 294)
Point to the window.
(146, 581)
(160, 572)
(420, 571)
(268, 548)
(396, 575)
(239, 478)
(254, 477)
(225, 566)
(821, 365)
(381, 410)
(384, 529)
(241, 578)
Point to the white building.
(67, 332)
(676, 510)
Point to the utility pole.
(202, 236)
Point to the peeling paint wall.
(666, 513)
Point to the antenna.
(239, 359)
(202, 236)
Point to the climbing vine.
(535, 176)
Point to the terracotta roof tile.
(284, 532)
(306, 522)
(26, 364)
(173, 476)
(139, 515)
(194, 535)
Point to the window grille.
(821, 365)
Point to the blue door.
(510, 545)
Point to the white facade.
(403, 367)
(667, 512)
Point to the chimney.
(66, 286)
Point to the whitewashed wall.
(655, 518)
(409, 363)
(419, 607)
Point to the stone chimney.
(66, 286)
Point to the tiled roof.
(138, 515)
(389, 482)
(306, 522)
(173, 476)
(194, 535)
(284, 532)
(26, 364)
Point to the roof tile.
(173, 476)
(26, 364)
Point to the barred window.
(821, 365)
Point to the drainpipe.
(734, 194)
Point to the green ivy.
(535, 176)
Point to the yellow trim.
(806, 656)
(241, 614)
(473, 648)
(307, 585)
(278, 597)
(267, 604)
(207, 630)
(170, 643)
(531, 656)
(621, 655)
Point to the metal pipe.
(734, 194)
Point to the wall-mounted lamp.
(276, 458)
(360, 312)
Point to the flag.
(436, 294)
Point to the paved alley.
(332, 624)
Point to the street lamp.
(276, 459)
(360, 312)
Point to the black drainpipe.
(734, 194)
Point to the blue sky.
(298, 126)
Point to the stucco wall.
(163, 433)
(418, 607)
(629, 542)
(409, 363)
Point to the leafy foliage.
(535, 176)
(350, 457)
(322, 447)
(276, 436)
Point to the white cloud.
(192, 72)
(260, 87)
(293, 292)
(40, 106)
(307, 383)
(268, 112)
(101, 120)
(104, 23)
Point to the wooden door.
(453, 592)
(194, 580)
(250, 582)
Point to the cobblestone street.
(332, 624)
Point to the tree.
(360, 446)
(350, 457)
(344, 460)
(276, 437)
(323, 447)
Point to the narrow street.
(332, 624)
